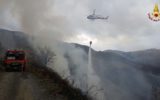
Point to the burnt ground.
(37, 84)
(23, 86)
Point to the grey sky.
(128, 27)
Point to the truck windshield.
(15, 55)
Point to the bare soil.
(23, 86)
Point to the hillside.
(39, 82)
(126, 75)
(122, 75)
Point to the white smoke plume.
(37, 18)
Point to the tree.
(44, 55)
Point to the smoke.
(121, 78)
(36, 18)
(77, 63)
(39, 19)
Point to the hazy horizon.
(128, 27)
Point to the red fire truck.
(15, 60)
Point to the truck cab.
(15, 60)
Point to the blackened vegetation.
(59, 86)
(43, 56)
(56, 86)
(37, 59)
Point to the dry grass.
(55, 84)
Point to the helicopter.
(94, 16)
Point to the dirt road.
(19, 86)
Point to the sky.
(128, 27)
